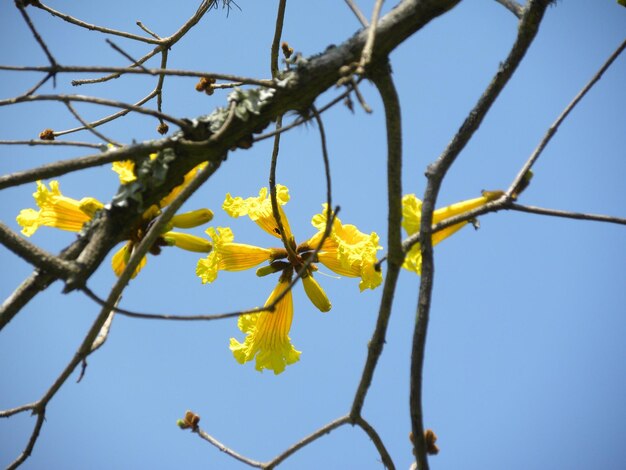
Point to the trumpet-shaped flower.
(412, 217)
(59, 211)
(346, 251)
(267, 334)
(56, 210)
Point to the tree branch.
(384, 83)
(436, 172)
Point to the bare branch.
(280, 16)
(366, 54)
(136, 71)
(307, 440)
(207, 437)
(94, 100)
(41, 417)
(528, 28)
(92, 27)
(62, 167)
(555, 126)
(88, 126)
(31, 26)
(378, 442)
(384, 83)
(568, 214)
(358, 13)
(32, 142)
(513, 7)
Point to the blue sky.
(525, 359)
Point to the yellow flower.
(259, 209)
(267, 334)
(229, 256)
(56, 210)
(346, 251)
(412, 216)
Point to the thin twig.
(378, 442)
(358, 13)
(41, 418)
(163, 44)
(58, 168)
(513, 6)
(306, 441)
(435, 173)
(100, 101)
(88, 126)
(555, 126)
(384, 83)
(150, 32)
(568, 214)
(134, 61)
(128, 70)
(210, 439)
(278, 30)
(110, 117)
(92, 27)
(38, 38)
(32, 142)
(38, 85)
(366, 55)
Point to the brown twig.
(278, 30)
(58, 168)
(135, 71)
(381, 77)
(513, 7)
(366, 55)
(53, 143)
(307, 440)
(358, 13)
(88, 126)
(99, 101)
(555, 126)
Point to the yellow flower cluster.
(65, 213)
(346, 251)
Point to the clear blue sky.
(526, 358)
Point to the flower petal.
(229, 256)
(348, 251)
(259, 209)
(120, 260)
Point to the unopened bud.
(89, 206)
(192, 219)
(188, 242)
(316, 294)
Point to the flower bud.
(192, 219)
(188, 242)
(316, 294)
